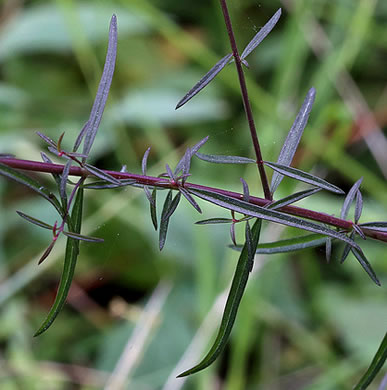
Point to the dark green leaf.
(253, 210)
(237, 289)
(213, 221)
(293, 138)
(101, 174)
(205, 80)
(358, 206)
(360, 257)
(358, 230)
(153, 208)
(63, 180)
(304, 176)
(288, 245)
(347, 249)
(72, 251)
(381, 226)
(232, 234)
(81, 135)
(328, 249)
(168, 209)
(81, 237)
(246, 192)
(261, 35)
(103, 185)
(35, 221)
(219, 159)
(376, 365)
(349, 199)
(30, 183)
(292, 198)
(46, 252)
(190, 199)
(103, 88)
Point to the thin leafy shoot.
(103, 89)
(349, 199)
(293, 138)
(205, 80)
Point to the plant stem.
(342, 224)
(246, 102)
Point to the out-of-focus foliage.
(303, 324)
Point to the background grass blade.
(238, 286)
(375, 366)
(72, 251)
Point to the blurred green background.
(145, 316)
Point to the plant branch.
(246, 102)
(342, 224)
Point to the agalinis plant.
(244, 207)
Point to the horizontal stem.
(37, 166)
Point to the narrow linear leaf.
(261, 35)
(81, 237)
(349, 199)
(214, 221)
(7, 155)
(81, 135)
(169, 207)
(360, 257)
(237, 289)
(381, 226)
(288, 245)
(63, 180)
(253, 210)
(46, 252)
(35, 221)
(190, 199)
(30, 183)
(191, 151)
(232, 234)
(101, 174)
(293, 138)
(47, 139)
(72, 251)
(145, 161)
(297, 174)
(347, 249)
(358, 230)
(153, 210)
(103, 88)
(205, 80)
(375, 366)
(103, 185)
(328, 249)
(246, 192)
(170, 173)
(219, 159)
(358, 206)
(292, 198)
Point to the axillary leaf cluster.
(244, 208)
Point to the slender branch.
(342, 224)
(246, 102)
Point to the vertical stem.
(246, 102)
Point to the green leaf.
(304, 176)
(292, 198)
(293, 138)
(169, 207)
(103, 185)
(63, 181)
(238, 286)
(360, 257)
(219, 159)
(261, 35)
(253, 210)
(212, 221)
(288, 245)
(35, 221)
(71, 255)
(376, 365)
(350, 198)
(381, 226)
(328, 249)
(81, 237)
(190, 199)
(153, 208)
(101, 174)
(103, 88)
(205, 80)
(30, 183)
(347, 249)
